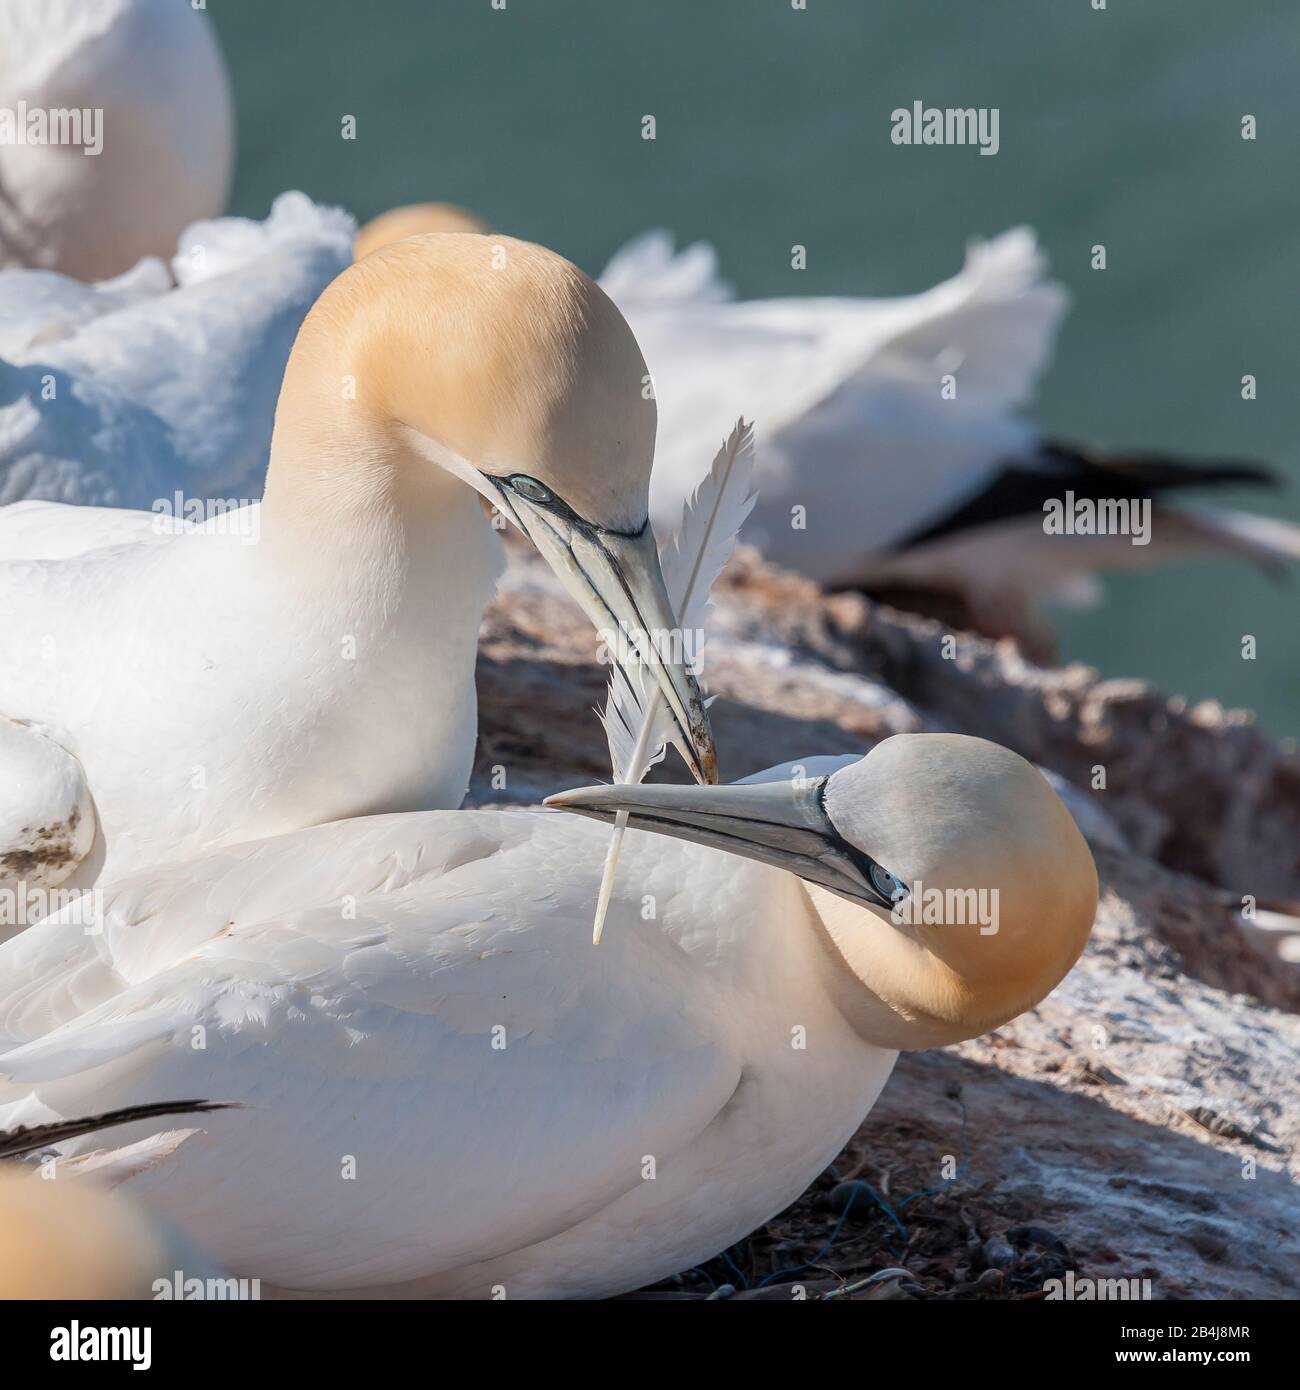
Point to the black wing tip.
(1158, 471)
(27, 1139)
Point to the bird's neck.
(891, 990)
(350, 502)
(348, 487)
(375, 549)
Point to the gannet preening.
(449, 1092)
(125, 393)
(64, 1237)
(416, 220)
(313, 657)
(871, 472)
(122, 131)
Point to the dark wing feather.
(14, 1143)
(1023, 486)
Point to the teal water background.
(1119, 126)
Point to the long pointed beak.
(617, 581)
(779, 823)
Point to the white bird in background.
(173, 693)
(62, 1236)
(867, 475)
(148, 77)
(448, 1090)
(127, 392)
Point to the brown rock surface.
(1143, 1121)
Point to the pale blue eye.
(886, 884)
(530, 488)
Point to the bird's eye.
(530, 488)
(886, 884)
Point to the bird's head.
(952, 885)
(498, 363)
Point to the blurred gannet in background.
(867, 477)
(129, 391)
(148, 86)
(64, 1237)
(169, 694)
(448, 1089)
(417, 220)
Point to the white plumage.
(203, 689)
(346, 982)
(891, 456)
(448, 1091)
(853, 427)
(312, 657)
(151, 75)
(124, 393)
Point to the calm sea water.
(1119, 126)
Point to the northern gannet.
(163, 380)
(891, 457)
(126, 393)
(313, 657)
(449, 1092)
(122, 131)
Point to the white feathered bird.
(161, 694)
(870, 475)
(448, 1092)
(148, 84)
(124, 393)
